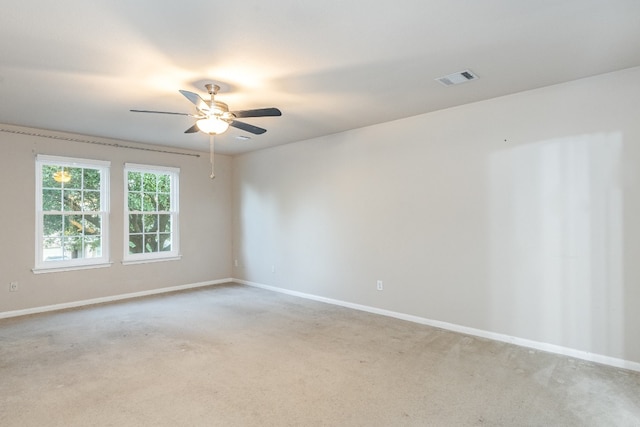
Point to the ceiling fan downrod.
(212, 89)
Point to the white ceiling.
(330, 65)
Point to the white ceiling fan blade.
(200, 103)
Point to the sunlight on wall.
(557, 240)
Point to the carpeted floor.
(233, 355)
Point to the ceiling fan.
(213, 117)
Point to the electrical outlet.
(273, 268)
(13, 287)
(379, 285)
(235, 263)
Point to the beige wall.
(518, 215)
(205, 224)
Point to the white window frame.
(174, 253)
(42, 266)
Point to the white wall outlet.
(273, 268)
(13, 287)
(379, 285)
(235, 263)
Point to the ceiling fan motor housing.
(217, 106)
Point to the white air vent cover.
(457, 78)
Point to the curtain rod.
(87, 141)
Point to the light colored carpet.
(232, 355)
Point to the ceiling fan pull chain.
(213, 175)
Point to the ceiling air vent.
(457, 78)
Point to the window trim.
(174, 254)
(42, 266)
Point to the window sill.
(42, 270)
(148, 260)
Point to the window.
(72, 212)
(151, 214)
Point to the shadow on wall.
(556, 246)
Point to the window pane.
(135, 244)
(164, 183)
(149, 202)
(73, 225)
(164, 221)
(164, 202)
(48, 173)
(91, 201)
(72, 200)
(150, 223)
(134, 201)
(135, 223)
(52, 225)
(76, 178)
(165, 242)
(92, 225)
(150, 243)
(92, 247)
(51, 200)
(134, 180)
(52, 250)
(149, 183)
(72, 247)
(91, 179)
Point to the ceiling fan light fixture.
(212, 126)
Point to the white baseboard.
(551, 348)
(92, 301)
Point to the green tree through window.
(72, 212)
(151, 200)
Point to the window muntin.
(151, 214)
(72, 212)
